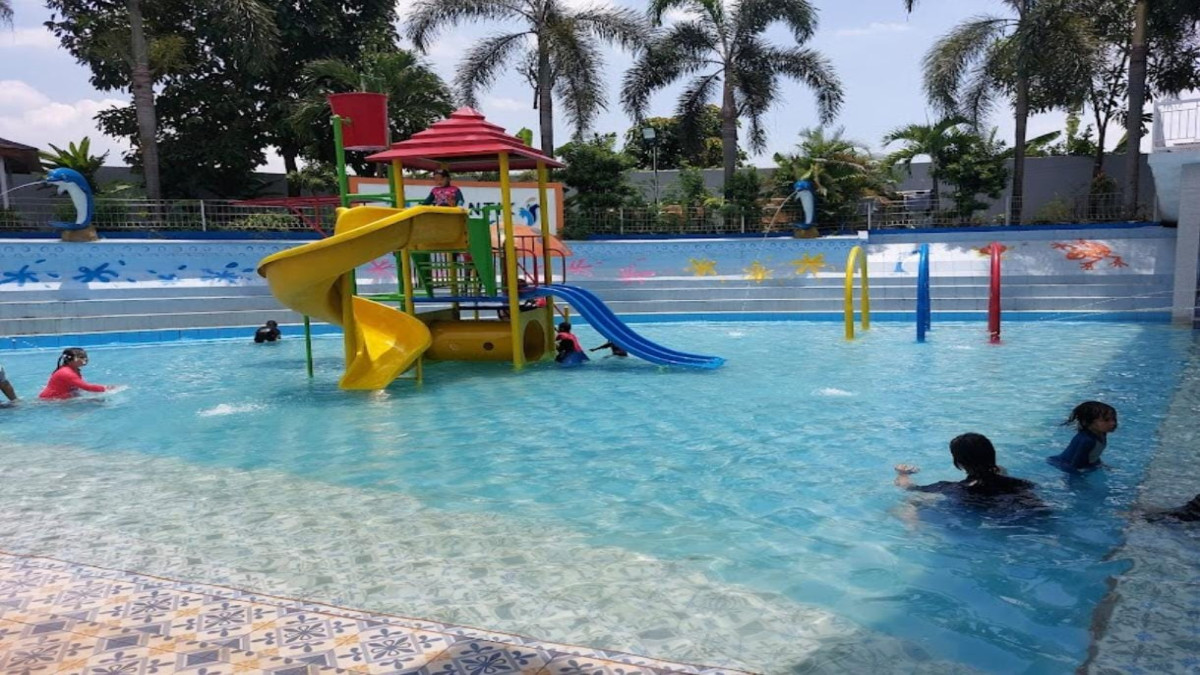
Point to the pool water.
(742, 517)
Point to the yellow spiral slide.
(314, 279)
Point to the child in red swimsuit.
(66, 380)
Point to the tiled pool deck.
(1150, 623)
(60, 617)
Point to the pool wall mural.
(79, 270)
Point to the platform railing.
(1176, 125)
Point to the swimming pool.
(741, 517)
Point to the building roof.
(18, 157)
(465, 141)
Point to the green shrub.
(274, 222)
(1057, 210)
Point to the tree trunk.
(1022, 121)
(289, 168)
(729, 138)
(1101, 133)
(545, 100)
(1137, 99)
(142, 88)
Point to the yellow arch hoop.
(857, 256)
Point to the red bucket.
(364, 119)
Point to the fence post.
(1008, 210)
(870, 210)
(203, 218)
(621, 220)
(743, 217)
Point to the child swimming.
(1094, 421)
(66, 381)
(974, 454)
(566, 346)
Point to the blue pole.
(924, 311)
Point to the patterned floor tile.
(493, 658)
(584, 665)
(71, 619)
(389, 649)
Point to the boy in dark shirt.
(267, 333)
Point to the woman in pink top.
(66, 380)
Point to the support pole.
(510, 264)
(308, 346)
(547, 251)
(340, 153)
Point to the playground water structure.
(608, 525)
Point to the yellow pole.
(510, 264)
(409, 305)
(398, 172)
(856, 257)
(547, 260)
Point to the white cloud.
(873, 28)
(31, 117)
(37, 38)
(503, 103)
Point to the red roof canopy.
(465, 141)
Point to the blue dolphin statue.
(71, 182)
(807, 195)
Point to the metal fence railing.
(167, 215)
(868, 214)
(665, 220)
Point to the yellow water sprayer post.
(859, 258)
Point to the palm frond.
(331, 71)
(681, 51)
(579, 61)
(811, 68)
(6, 13)
(949, 60)
(429, 17)
(622, 26)
(482, 63)
(710, 10)
(691, 108)
(251, 25)
(754, 16)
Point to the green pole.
(308, 345)
(391, 171)
(340, 149)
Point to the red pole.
(994, 295)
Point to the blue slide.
(600, 317)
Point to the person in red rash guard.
(66, 380)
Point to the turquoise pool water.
(699, 515)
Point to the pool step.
(114, 309)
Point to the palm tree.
(1040, 58)
(417, 97)
(250, 24)
(722, 47)
(6, 13)
(923, 139)
(558, 49)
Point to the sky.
(874, 45)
